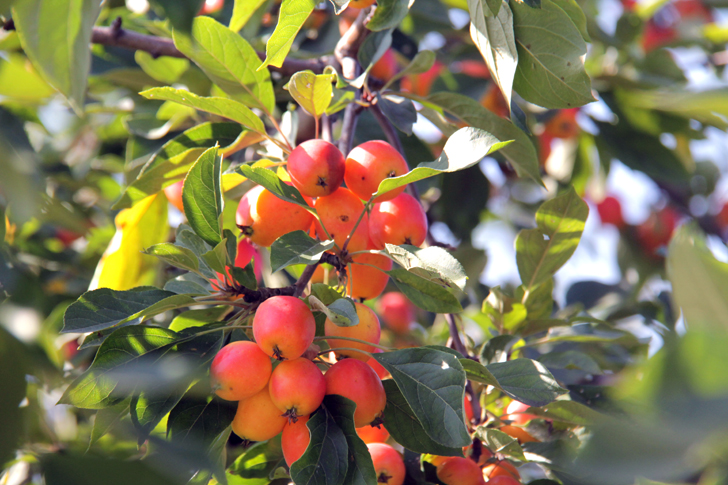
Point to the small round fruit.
(516, 413)
(368, 330)
(610, 212)
(355, 380)
(459, 471)
(316, 168)
(257, 418)
(297, 387)
(246, 253)
(378, 368)
(396, 311)
(520, 434)
(239, 370)
(657, 230)
(263, 217)
(503, 480)
(211, 6)
(385, 67)
(421, 84)
(373, 434)
(388, 464)
(370, 163)
(361, 3)
(502, 468)
(284, 327)
(364, 281)
(339, 213)
(295, 440)
(468, 407)
(174, 195)
(563, 124)
(398, 221)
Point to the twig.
(327, 128)
(387, 127)
(351, 115)
(304, 279)
(347, 48)
(457, 344)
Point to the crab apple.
(211, 6)
(368, 330)
(316, 168)
(297, 387)
(283, 327)
(563, 124)
(370, 163)
(421, 84)
(339, 213)
(516, 412)
(324, 273)
(388, 464)
(361, 3)
(468, 407)
(295, 440)
(610, 212)
(263, 217)
(174, 195)
(239, 370)
(655, 36)
(459, 471)
(396, 311)
(722, 217)
(385, 67)
(366, 282)
(544, 147)
(355, 380)
(494, 101)
(257, 418)
(503, 480)
(657, 230)
(245, 253)
(502, 468)
(346, 18)
(520, 434)
(378, 368)
(398, 221)
(472, 68)
(373, 434)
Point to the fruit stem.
(352, 339)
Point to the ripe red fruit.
(246, 253)
(421, 84)
(372, 434)
(396, 311)
(297, 387)
(339, 213)
(385, 67)
(610, 212)
(257, 418)
(360, 3)
(468, 406)
(211, 6)
(370, 163)
(355, 380)
(459, 471)
(502, 468)
(284, 327)
(563, 124)
(239, 370)
(295, 440)
(174, 195)
(368, 329)
(398, 221)
(388, 464)
(316, 168)
(503, 480)
(494, 101)
(377, 367)
(263, 217)
(722, 217)
(516, 413)
(364, 281)
(657, 230)
(520, 434)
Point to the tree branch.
(347, 48)
(351, 114)
(387, 127)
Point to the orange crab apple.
(239, 370)
(503, 480)
(516, 412)
(355, 380)
(368, 330)
(398, 221)
(297, 387)
(385, 67)
(339, 213)
(373, 434)
(211, 6)
(257, 418)
(378, 368)
(370, 163)
(520, 434)
(174, 195)
(366, 282)
(397, 312)
(316, 168)
(388, 464)
(502, 468)
(459, 471)
(284, 327)
(295, 440)
(610, 212)
(263, 217)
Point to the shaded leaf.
(297, 247)
(65, 468)
(273, 183)
(292, 15)
(199, 417)
(175, 255)
(341, 311)
(400, 111)
(570, 359)
(360, 470)
(499, 442)
(423, 293)
(421, 63)
(477, 372)
(388, 15)
(432, 263)
(527, 381)
(202, 197)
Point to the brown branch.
(387, 127)
(351, 115)
(347, 48)
(457, 344)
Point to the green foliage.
(297, 248)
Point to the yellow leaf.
(123, 265)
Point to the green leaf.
(164, 69)
(186, 238)
(313, 92)
(371, 50)
(571, 359)
(13, 368)
(227, 108)
(101, 385)
(406, 429)
(325, 293)
(21, 82)
(229, 61)
(200, 416)
(503, 311)
(576, 14)
(432, 263)
(527, 381)
(521, 153)
(570, 412)
(341, 311)
(494, 37)
(148, 410)
(477, 372)
(197, 318)
(189, 284)
(65, 468)
(360, 470)
(388, 15)
(699, 281)
(341, 99)
(400, 111)
(202, 196)
(542, 251)
(463, 149)
(325, 461)
(175, 255)
(500, 442)
(297, 247)
(171, 163)
(423, 293)
(291, 17)
(107, 418)
(270, 180)
(242, 11)
(433, 383)
(550, 70)
(245, 276)
(59, 49)
(260, 460)
(339, 5)
(217, 258)
(179, 12)
(104, 308)
(422, 62)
